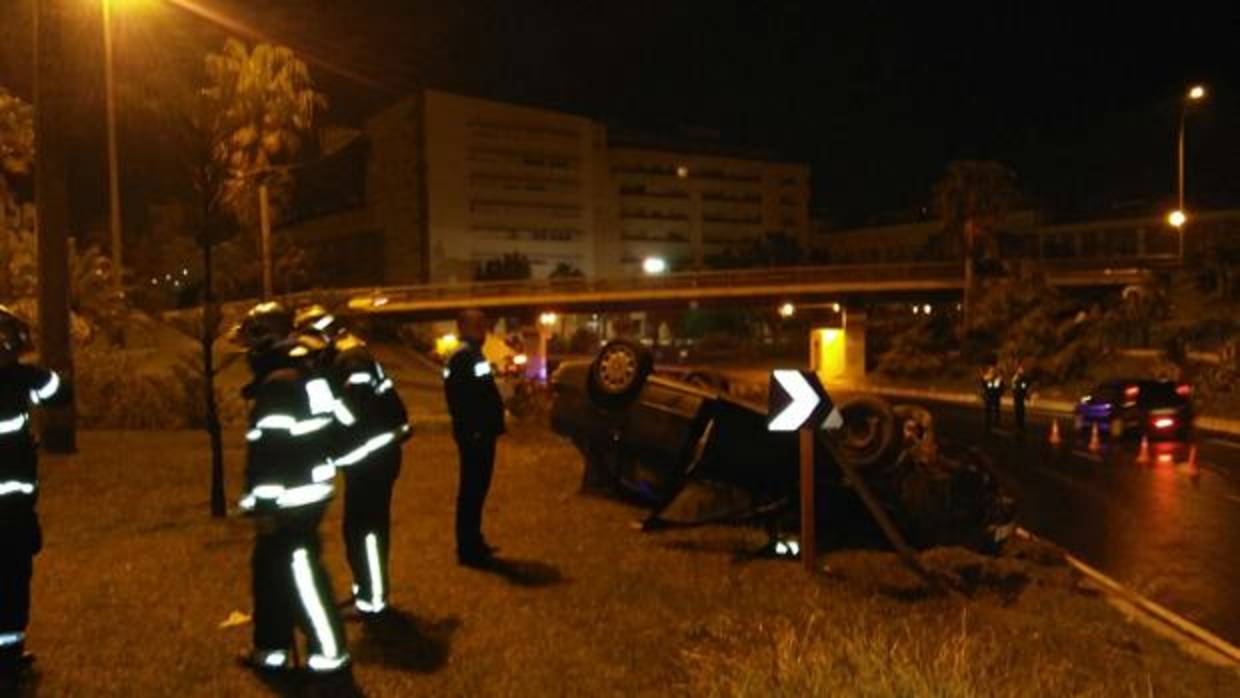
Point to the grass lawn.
(135, 581)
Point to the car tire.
(618, 373)
(869, 435)
(1116, 429)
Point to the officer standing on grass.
(295, 427)
(22, 386)
(373, 461)
(1020, 392)
(477, 422)
(992, 393)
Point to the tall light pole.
(51, 193)
(114, 185)
(1179, 216)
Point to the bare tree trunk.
(52, 201)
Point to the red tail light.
(1184, 390)
(1132, 392)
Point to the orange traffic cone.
(1056, 439)
(1143, 455)
(1095, 441)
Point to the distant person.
(477, 422)
(294, 434)
(22, 386)
(1020, 393)
(992, 393)
(372, 463)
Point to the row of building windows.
(503, 232)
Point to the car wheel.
(869, 434)
(619, 372)
(1117, 428)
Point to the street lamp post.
(114, 187)
(1178, 217)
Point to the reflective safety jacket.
(295, 433)
(473, 398)
(21, 388)
(1020, 385)
(368, 392)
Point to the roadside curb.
(1183, 628)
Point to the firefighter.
(295, 430)
(992, 393)
(1020, 393)
(372, 463)
(477, 422)
(22, 386)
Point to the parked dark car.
(1138, 407)
(698, 455)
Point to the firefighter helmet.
(14, 334)
(315, 318)
(266, 325)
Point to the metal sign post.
(809, 520)
(798, 402)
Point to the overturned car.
(696, 455)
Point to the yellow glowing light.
(447, 344)
(827, 352)
(379, 302)
(927, 309)
(787, 310)
(520, 359)
(548, 319)
(835, 307)
(1197, 92)
(1177, 219)
(682, 171)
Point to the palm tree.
(254, 114)
(261, 106)
(972, 198)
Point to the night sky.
(1082, 102)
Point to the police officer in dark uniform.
(992, 393)
(22, 386)
(295, 429)
(477, 421)
(1020, 393)
(372, 462)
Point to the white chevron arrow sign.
(797, 398)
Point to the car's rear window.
(1160, 393)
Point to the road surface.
(1169, 529)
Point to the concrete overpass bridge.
(849, 285)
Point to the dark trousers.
(1018, 410)
(21, 541)
(367, 523)
(477, 465)
(992, 411)
(291, 588)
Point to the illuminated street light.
(1196, 93)
(654, 265)
(926, 309)
(835, 307)
(548, 319)
(787, 310)
(682, 171)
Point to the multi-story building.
(688, 205)
(452, 182)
